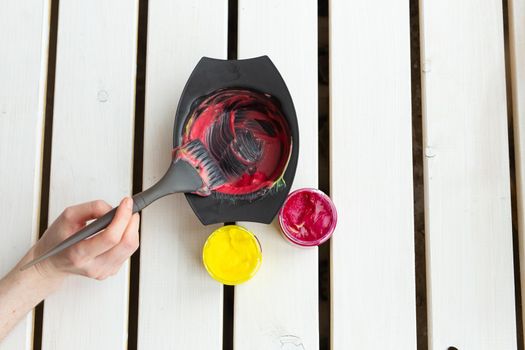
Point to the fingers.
(111, 236)
(109, 263)
(77, 215)
(102, 254)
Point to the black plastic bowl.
(257, 74)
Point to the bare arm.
(98, 257)
(20, 291)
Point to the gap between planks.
(46, 153)
(512, 140)
(419, 195)
(138, 164)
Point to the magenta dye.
(308, 217)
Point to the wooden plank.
(279, 307)
(517, 60)
(372, 251)
(467, 190)
(180, 306)
(24, 38)
(92, 158)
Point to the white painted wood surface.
(24, 34)
(467, 198)
(372, 251)
(278, 308)
(467, 191)
(517, 60)
(180, 306)
(92, 154)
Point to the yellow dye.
(232, 255)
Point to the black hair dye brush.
(235, 147)
(191, 170)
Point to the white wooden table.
(467, 181)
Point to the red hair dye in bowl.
(246, 135)
(308, 217)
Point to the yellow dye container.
(232, 255)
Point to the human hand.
(97, 257)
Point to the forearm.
(21, 291)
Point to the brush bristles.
(214, 176)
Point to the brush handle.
(100, 224)
(91, 229)
(180, 177)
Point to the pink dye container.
(308, 217)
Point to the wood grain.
(24, 39)
(278, 308)
(372, 251)
(467, 189)
(180, 306)
(92, 158)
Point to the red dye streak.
(308, 216)
(245, 110)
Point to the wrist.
(20, 291)
(43, 275)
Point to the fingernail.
(128, 202)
